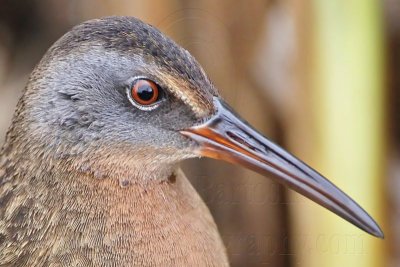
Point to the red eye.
(144, 92)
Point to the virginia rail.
(89, 172)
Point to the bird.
(89, 170)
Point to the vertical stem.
(347, 95)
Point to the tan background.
(260, 55)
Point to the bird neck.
(105, 204)
(99, 162)
(118, 222)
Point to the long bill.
(227, 137)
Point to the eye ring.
(144, 94)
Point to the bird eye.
(144, 92)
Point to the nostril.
(241, 141)
(249, 142)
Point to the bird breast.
(78, 221)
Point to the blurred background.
(321, 78)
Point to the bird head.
(116, 96)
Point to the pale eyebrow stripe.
(199, 103)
